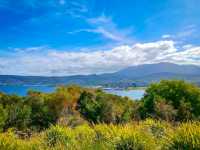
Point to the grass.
(144, 135)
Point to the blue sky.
(67, 37)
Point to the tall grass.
(144, 135)
(185, 137)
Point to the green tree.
(178, 97)
(40, 113)
(98, 106)
(89, 107)
(18, 116)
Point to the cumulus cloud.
(59, 63)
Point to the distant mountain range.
(140, 75)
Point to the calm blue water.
(22, 90)
(133, 94)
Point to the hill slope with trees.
(141, 75)
(73, 117)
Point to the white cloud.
(106, 27)
(187, 46)
(59, 63)
(100, 30)
(184, 33)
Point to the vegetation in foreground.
(144, 135)
(73, 117)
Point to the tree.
(177, 96)
(89, 107)
(98, 106)
(18, 116)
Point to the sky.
(73, 37)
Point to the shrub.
(58, 136)
(185, 137)
(107, 134)
(157, 128)
(171, 99)
(101, 107)
(84, 132)
(84, 137)
(3, 117)
(9, 141)
(132, 142)
(134, 139)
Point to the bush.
(132, 138)
(3, 117)
(100, 107)
(84, 137)
(133, 142)
(157, 128)
(107, 135)
(58, 136)
(185, 137)
(84, 133)
(146, 135)
(171, 99)
(9, 141)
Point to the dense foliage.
(145, 135)
(69, 105)
(74, 117)
(172, 100)
(102, 107)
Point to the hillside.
(140, 75)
